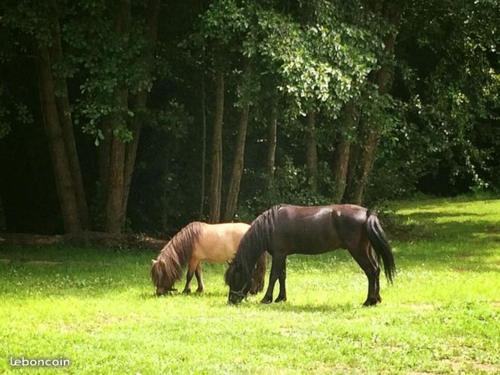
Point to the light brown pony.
(197, 242)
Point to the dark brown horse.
(285, 229)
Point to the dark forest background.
(145, 115)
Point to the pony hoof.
(266, 300)
(370, 302)
(280, 299)
(199, 290)
(186, 291)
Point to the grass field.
(96, 307)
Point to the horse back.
(317, 229)
(218, 243)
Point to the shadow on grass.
(483, 230)
(302, 308)
(205, 294)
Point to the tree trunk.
(116, 179)
(365, 164)
(342, 151)
(312, 152)
(367, 150)
(104, 154)
(131, 154)
(64, 112)
(153, 11)
(115, 190)
(352, 170)
(216, 174)
(272, 140)
(62, 172)
(238, 165)
(3, 222)
(203, 145)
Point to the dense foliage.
(132, 114)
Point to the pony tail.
(381, 246)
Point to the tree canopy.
(145, 115)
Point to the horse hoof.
(280, 299)
(186, 291)
(370, 302)
(199, 290)
(266, 300)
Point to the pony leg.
(281, 278)
(371, 271)
(189, 277)
(374, 261)
(276, 271)
(199, 279)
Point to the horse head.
(160, 277)
(239, 282)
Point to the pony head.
(161, 277)
(239, 281)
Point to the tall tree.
(140, 99)
(272, 140)
(116, 181)
(64, 112)
(203, 108)
(216, 169)
(312, 151)
(57, 147)
(348, 123)
(238, 165)
(370, 131)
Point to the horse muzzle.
(235, 298)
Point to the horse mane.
(175, 254)
(255, 241)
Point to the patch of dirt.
(486, 367)
(457, 365)
(422, 306)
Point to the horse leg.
(189, 276)
(373, 259)
(276, 270)
(371, 270)
(199, 279)
(281, 278)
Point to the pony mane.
(175, 254)
(255, 241)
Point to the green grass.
(96, 307)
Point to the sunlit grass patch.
(96, 307)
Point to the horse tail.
(258, 275)
(380, 244)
